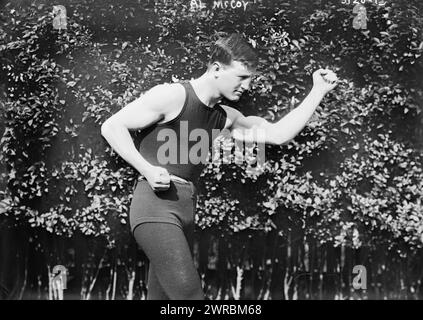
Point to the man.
(163, 206)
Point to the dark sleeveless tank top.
(182, 144)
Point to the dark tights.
(172, 273)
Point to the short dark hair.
(234, 47)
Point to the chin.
(235, 98)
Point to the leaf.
(295, 42)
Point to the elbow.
(106, 128)
(285, 142)
(282, 138)
(279, 140)
(275, 136)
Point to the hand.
(324, 80)
(158, 178)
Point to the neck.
(205, 89)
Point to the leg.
(169, 253)
(154, 288)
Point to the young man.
(163, 206)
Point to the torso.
(175, 109)
(178, 130)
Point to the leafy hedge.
(352, 177)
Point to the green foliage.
(352, 177)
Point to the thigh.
(174, 205)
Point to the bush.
(353, 177)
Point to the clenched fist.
(158, 178)
(324, 80)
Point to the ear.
(216, 66)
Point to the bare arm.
(155, 105)
(258, 129)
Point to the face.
(233, 80)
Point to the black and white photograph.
(216, 150)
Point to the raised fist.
(324, 80)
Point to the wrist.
(318, 92)
(145, 168)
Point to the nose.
(245, 85)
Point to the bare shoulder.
(167, 96)
(172, 88)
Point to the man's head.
(234, 47)
(233, 62)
